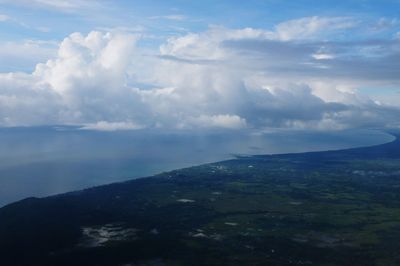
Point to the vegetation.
(320, 208)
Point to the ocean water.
(43, 161)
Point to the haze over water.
(44, 161)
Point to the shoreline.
(234, 157)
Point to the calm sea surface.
(43, 161)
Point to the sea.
(48, 160)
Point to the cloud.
(216, 121)
(384, 24)
(229, 79)
(83, 84)
(175, 17)
(95, 59)
(4, 18)
(23, 102)
(60, 5)
(207, 45)
(13, 20)
(111, 126)
(310, 27)
(321, 56)
(25, 54)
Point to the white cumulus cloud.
(221, 78)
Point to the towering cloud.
(220, 78)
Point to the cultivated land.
(320, 208)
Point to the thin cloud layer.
(61, 5)
(111, 126)
(298, 75)
(4, 17)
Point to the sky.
(200, 65)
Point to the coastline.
(234, 157)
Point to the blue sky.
(200, 64)
(51, 21)
(44, 20)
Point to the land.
(318, 208)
